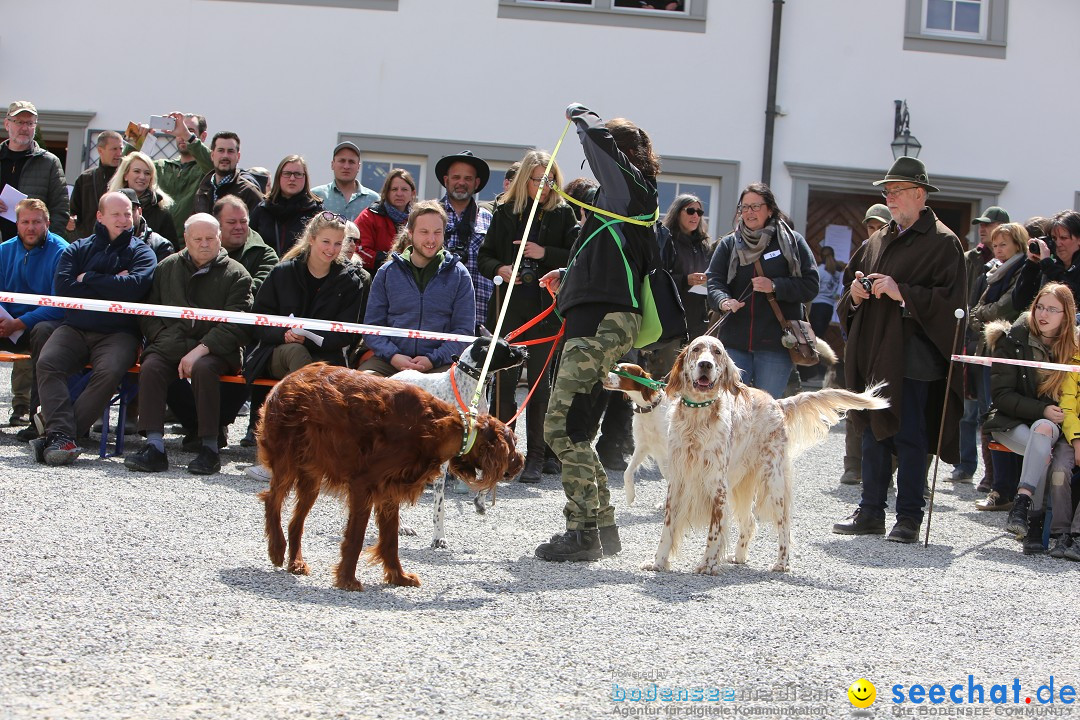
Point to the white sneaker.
(260, 473)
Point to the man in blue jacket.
(422, 288)
(27, 265)
(111, 264)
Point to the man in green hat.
(903, 288)
(975, 263)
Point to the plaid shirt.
(482, 287)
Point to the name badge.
(771, 255)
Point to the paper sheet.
(838, 237)
(10, 197)
(5, 315)
(698, 290)
(313, 337)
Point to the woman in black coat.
(281, 217)
(553, 231)
(313, 280)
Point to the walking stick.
(941, 430)
(498, 376)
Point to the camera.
(867, 283)
(1033, 247)
(529, 272)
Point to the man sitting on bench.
(111, 264)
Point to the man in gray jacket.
(31, 169)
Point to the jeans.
(764, 369)
(969, 437)
(910, 444)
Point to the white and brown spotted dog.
(650, 421)
(731, 448)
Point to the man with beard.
(180, 178)
(31, 169)
(111, 264)
(463, 175)
(227, 178)
(93, 183)
(903, 287)
(27, 265)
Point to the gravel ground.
(151, 596)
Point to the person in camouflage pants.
(569, 431)
(600, 299)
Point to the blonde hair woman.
(137, 171)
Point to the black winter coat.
(342, 297)
(280, 223)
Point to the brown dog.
(375, 442)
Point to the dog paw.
(708, 568)
(405, 531)
(780, 567)
(352, 585)
(278, 557)
(404, 579)
(480, 504)
(439, 544)
(630, 495)
(738, 559)
(299, 567)
(656, 567)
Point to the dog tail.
(809, 415)
(825, 351)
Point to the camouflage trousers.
(573, 416)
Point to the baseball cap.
(21, 106)
(993, 214)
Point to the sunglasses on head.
(327, 215)
(694, 211)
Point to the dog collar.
(648, 409)
(690, 403)
(471, 371)
(468, 432)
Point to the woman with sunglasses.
(547, 247)
(381, 222)
(685, 250)
(1026, 415)
(762, 256)
(290, 204)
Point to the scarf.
(398, 217)
(749, 245)
(459, 234)
(1002, 269)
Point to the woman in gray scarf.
(750, 331)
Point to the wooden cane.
(941, 431)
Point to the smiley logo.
(862, 693)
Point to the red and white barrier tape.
(988, 361)
(225, 316)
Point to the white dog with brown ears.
(731, 447)
(651, 408)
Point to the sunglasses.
(327, 215)
(694, 211)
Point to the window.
(678, 15)
(375, 168)
(495, 184)
(955, 18)
(959, 27)
(708, 189)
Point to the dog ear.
(730, 376)
(677, 378)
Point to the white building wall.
(291, 78)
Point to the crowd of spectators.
(202, 232)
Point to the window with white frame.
(679, 15)
(495, 184)
(959, 27)
(707, 189)
(375, 168)
(955, 18)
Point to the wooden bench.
(125, 393)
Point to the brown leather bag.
(799, 338)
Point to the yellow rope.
(497, 331)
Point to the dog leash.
(553, 339)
